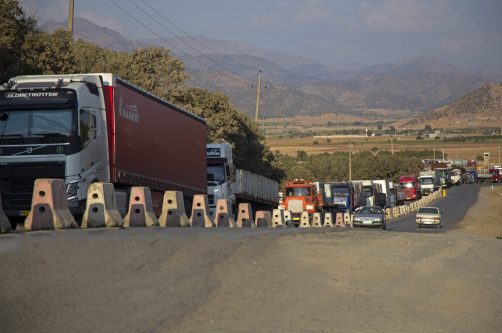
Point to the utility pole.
(392, 145)
(258, 98)
(350, 161)
(71, 12)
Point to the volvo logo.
(59, 150)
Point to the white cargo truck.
(429, 182)
(224, 181)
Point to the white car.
(429, 216)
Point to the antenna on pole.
(258, 98)
(71, 12)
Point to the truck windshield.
(426, 181)
(297, 191)
(408, 185)
(39, 123)
(215, 174)
(340, 191)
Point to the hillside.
(299, 86)
(97, 34)
(480, 108)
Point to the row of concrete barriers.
(398, 211)
(49, 210)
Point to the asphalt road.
(454, 207)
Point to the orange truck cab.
(300, 196)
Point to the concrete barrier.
(140, 212)
(348, 219)
(263, 219)
(396, 212)
(316, 220)
(305, 220)
(223, 216)
(200, 212)
(173, 210)
(5, 226)
(339, 220)
(328, 220)
(49, 207)
(278, 220)
(288, 218)
(101, 207)
(245, 216)
(388, 213)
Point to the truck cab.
(343, 196)
(300, 196)
(220, 174)
(51, 127)
(411, 187)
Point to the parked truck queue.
(90, 128)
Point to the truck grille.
(295, 206)
(17, 180)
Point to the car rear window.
(427, 210)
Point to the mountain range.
(480, 108)
(293, 85)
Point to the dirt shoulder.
(260, 280)
(485, 217)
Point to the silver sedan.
(370, 216)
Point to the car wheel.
(384, 225)
(438, 226)
(419, 225)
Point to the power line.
(177, 27)
(187, 44)
(234, 75)
(166, 41)
(276, 96)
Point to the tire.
(439, 226)
(419, 225)
(384, 226)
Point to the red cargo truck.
(496, 175)
(411, 187)
(86, 128)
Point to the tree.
(301, 155)
(14, 27)
(53, 53)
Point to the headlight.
(310, 207)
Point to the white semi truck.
(224, 181)
(429, 182)
(86, 128)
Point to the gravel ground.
(261, 280)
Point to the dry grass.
(454, 150)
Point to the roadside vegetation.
(365, 165)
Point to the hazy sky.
(465, 33)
